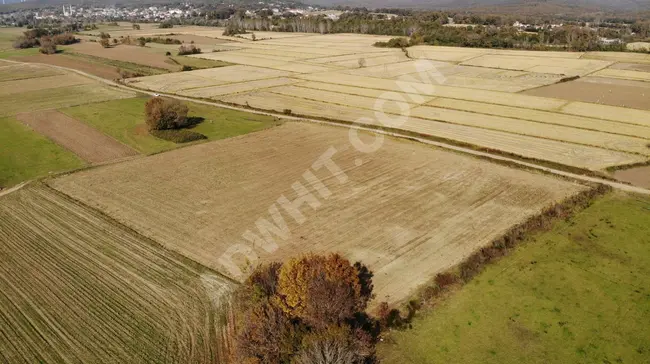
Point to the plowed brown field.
(75, 287)
(407, 210)
(83, 140)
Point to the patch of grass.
(198, 63)
(10, 53)
(134, 68)
(577, 293)
(124, 120)
(25, 154)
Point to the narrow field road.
(496, 157)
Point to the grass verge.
(26, 154)
(124, 120)
(575, 293)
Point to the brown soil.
(599, 90)
(639, 176)
(99, 70)
(81, 139)
(126, 53)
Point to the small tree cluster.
(47, 46)
(191, 49)
(399, 42)
(308, 310)
(164, 113)
(34, 37)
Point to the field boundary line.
(448, 146)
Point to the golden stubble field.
(76, 287)
(406, 210)
(485, 98)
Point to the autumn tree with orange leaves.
(309, 307)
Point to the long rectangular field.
(407, 210)
(76, 287)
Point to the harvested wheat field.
(599, 90)
(75, 287)
(83, 140)
(62, 60)
(126, 53)
(406, 210)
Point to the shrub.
(136, 26)
(64, 39)
(399, 42)
(105, 43)
(168, 53)
(286, 111)
(47, 46)
(186, 68)
(164, 113)
(104, 35)
(178, 135)
(25, 42)
(191, 49)
(166, 25)
(445, 279)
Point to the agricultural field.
(26, 154)
(383, 212)
(516, 102)
(27, 87)
(575, 294)
(123, 120)
(83, 140)
(77, 287)
(36, 146)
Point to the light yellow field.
(511, 125)
(628, 57)
(624, 74)
(621, 114)
(75, 287)
(538, 64)
(322, 76)
(42, 83)
(529, 147)
(204, 78)
(449, 205)
(233, 88)
(545, 117)
(22, 71)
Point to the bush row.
(178, 135)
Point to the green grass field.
(124, 120)
(26, 154)
(577, 294)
